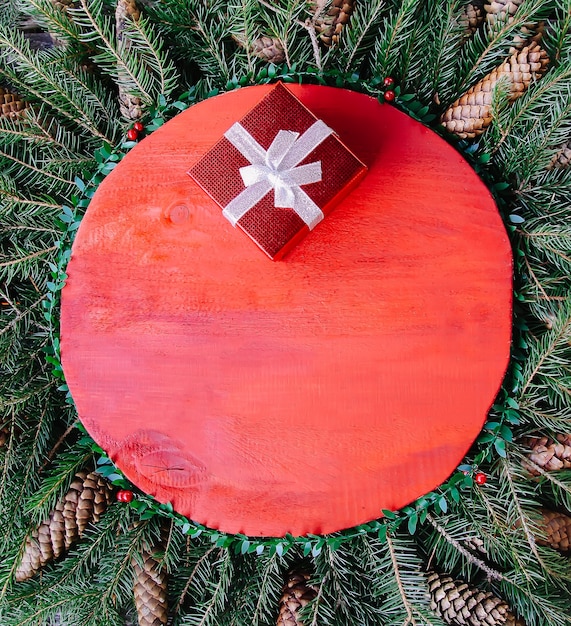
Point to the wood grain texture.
(303, 395)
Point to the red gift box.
(277, 172)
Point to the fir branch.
(97, 28)
(211, 28)
(525, 129)
(23, 260)
(360, 34)
(21, 315)
(35, 77)
(491, 573)
(436, 55)
(13, 200)
(283, 23)
(397, 579)
(53, 19)
(522, 517)
(548, 242)
(193, 573)
(396, 569)
(207, 612)
(50, 455)
(38, 129)
(266, 590)
(34, 174)
(56, 483)
(391, 51)
(549, 356)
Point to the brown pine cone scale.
(501, 10)
(11, 105)
(330, 25)
(269, 49)
(126, 9)
(471, 17)
(459, 603)
(562, 158)
(150, 591)
(549, 454)
(88, 497)
(557, 527)
(471, 114)
(296, 593)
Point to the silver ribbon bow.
(278, 169)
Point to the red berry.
(138, 126)
(389, 82)
(389, 95)
(480, 478)
(132, 134)
(124, 495)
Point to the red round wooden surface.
(303, 395)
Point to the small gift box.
(277, 172)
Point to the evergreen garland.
(51, 160)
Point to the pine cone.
(531, 33)
(476, 545)
(471, 17)
(130, 106)
(296, 593)
(63, 5)
(562, 158)
(87, 499)
(471, 114)
(500, 10)
(11, 105)
(269, 49)
(126, 9)
(459, 603)
(4, 434)
(549, 454)
(330, 25)
(150, 591)
(512, 620)
(557, 528)
(505, 10)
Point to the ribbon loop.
(277, 168)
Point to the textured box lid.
(276, 230)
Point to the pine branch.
(297, 32)
(36, 76)
(436, 56)
(53, 19)
(491, 573)
(542, 118)
(208, 611)
(30, 173)
(56, 483)
(546, 374)
(397, 579)
(391, 51)
(548, 242)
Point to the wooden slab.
(303, 395)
